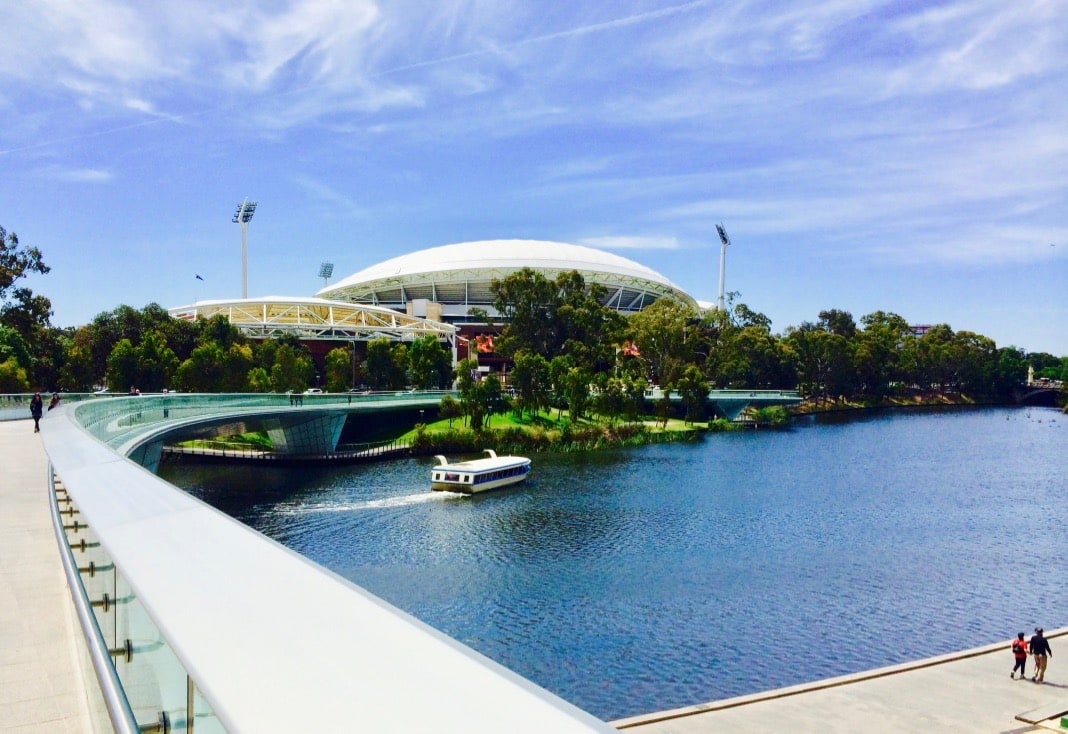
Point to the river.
(643, 579)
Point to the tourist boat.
(478, 475)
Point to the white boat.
(478, 475)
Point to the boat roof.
(486, 463)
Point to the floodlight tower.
(724, 240)
(244, 213)
(325, 271)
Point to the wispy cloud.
(78, 175)
(327, 195)
(632, 242)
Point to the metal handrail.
(118, 706)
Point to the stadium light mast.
(244, 213)
(724, 240)
(325, 271)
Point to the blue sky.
(863, 155)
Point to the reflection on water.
(639, 580)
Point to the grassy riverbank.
(544, 431)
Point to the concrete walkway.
(968, 691)
(41, 685)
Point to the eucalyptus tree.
(526, 300)
(479, 396)
(202, 370)
(823, 359)
(383, 368)
(880, 344)
(666, 336)
(429, 363)
(293, 369)
(338, 368)
(530, 378)
(693, 389)
(20, 309)
(564, 316)
(156, 363)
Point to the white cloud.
(632, 242)
(79, 175)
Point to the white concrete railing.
(268, 640)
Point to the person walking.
(1041, 650)
(1019, 651)
(36, 409)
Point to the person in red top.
(1019, 651)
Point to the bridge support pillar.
(306, 434)
(147, 455)
(731, 408)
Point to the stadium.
(444, 283)
(432, 291)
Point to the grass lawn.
(549, 422)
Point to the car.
(313, 391)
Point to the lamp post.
(724, 240)
(244, 213)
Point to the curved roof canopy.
(314, 318)
(461, 274)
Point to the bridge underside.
(300, 433)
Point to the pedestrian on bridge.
(36, 410)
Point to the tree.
(121, 367)
(450, 408)
(693, 388)
(838, 322)
(478, 397)
(236, 364)
(526, 299)
(77, 373)
(666, 335)
(383, 369)
(429, 363)
(202, 371)
(338, 367)
(13, 376)
(16, 262)
(259, 380)
(530, 380)
(879, 347)
(823, 361)
(292, 370)
(156, 363)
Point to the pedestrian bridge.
(196, 622)
(193, 620)
(731, 403)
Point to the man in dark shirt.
(1040, 649)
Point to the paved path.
(41, 686)
(969, 691)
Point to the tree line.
(565, 347)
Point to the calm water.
(644, 579)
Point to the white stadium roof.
(314, 318)
(459, 275)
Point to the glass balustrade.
(157, 692)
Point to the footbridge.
(731, 403)
(195, 622)
(138, 427)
